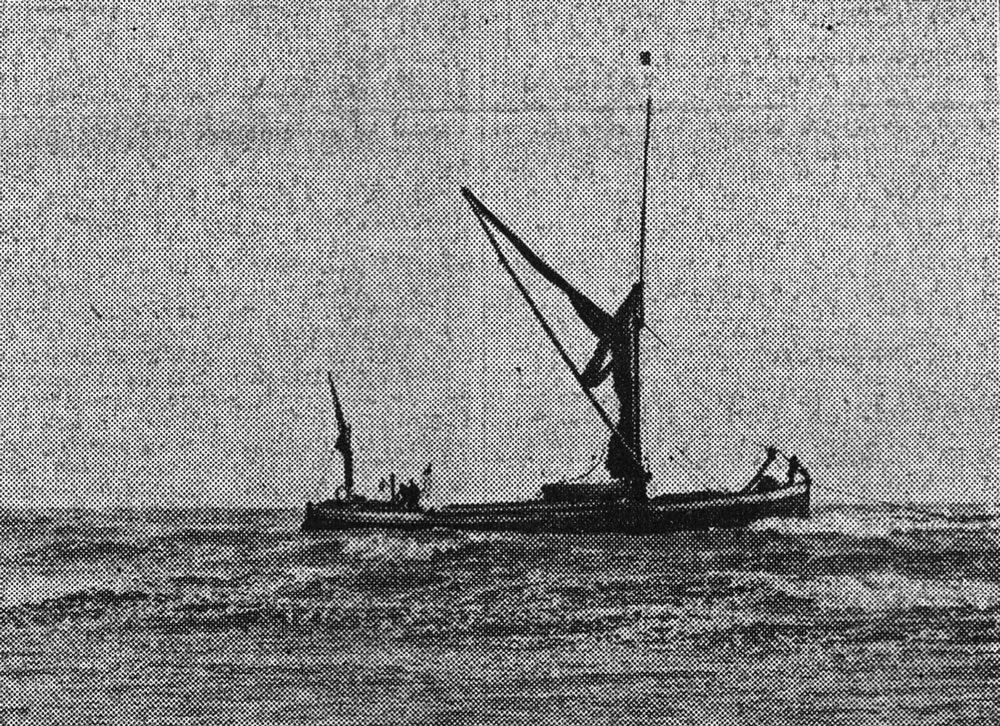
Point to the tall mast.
(639, 317)
(645, 183)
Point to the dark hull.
(661, 514)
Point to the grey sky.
(207, 206)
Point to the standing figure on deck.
(793, 470)
(393, 492)
(411, 496)
(806, 476)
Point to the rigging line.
(597, 463)
(654, 334)
(552, 337)
(599, 322)
(581, 477)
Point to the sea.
(875, 615)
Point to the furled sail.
(615, 356)
(599, 322)
(617, 338)
(343, 442)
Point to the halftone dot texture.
(206, 206)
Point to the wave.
(882, 591)
(212, 535)
(390, 547)
(843, 574)
(83, 551)
(874, 524)
(213, 582)
(739, 608)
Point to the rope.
(597, 462)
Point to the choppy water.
(875, 615)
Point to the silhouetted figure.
(793, 469)
(393, 492)
(411, 496)
(806, 476)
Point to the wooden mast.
(645, 184)
(638, 320)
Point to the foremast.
(343, 442)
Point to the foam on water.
(881, 591)
(26, 587)
(859, 566)
(879, 524)
(392, 547)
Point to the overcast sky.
(206, 206)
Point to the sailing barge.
(619, 503)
